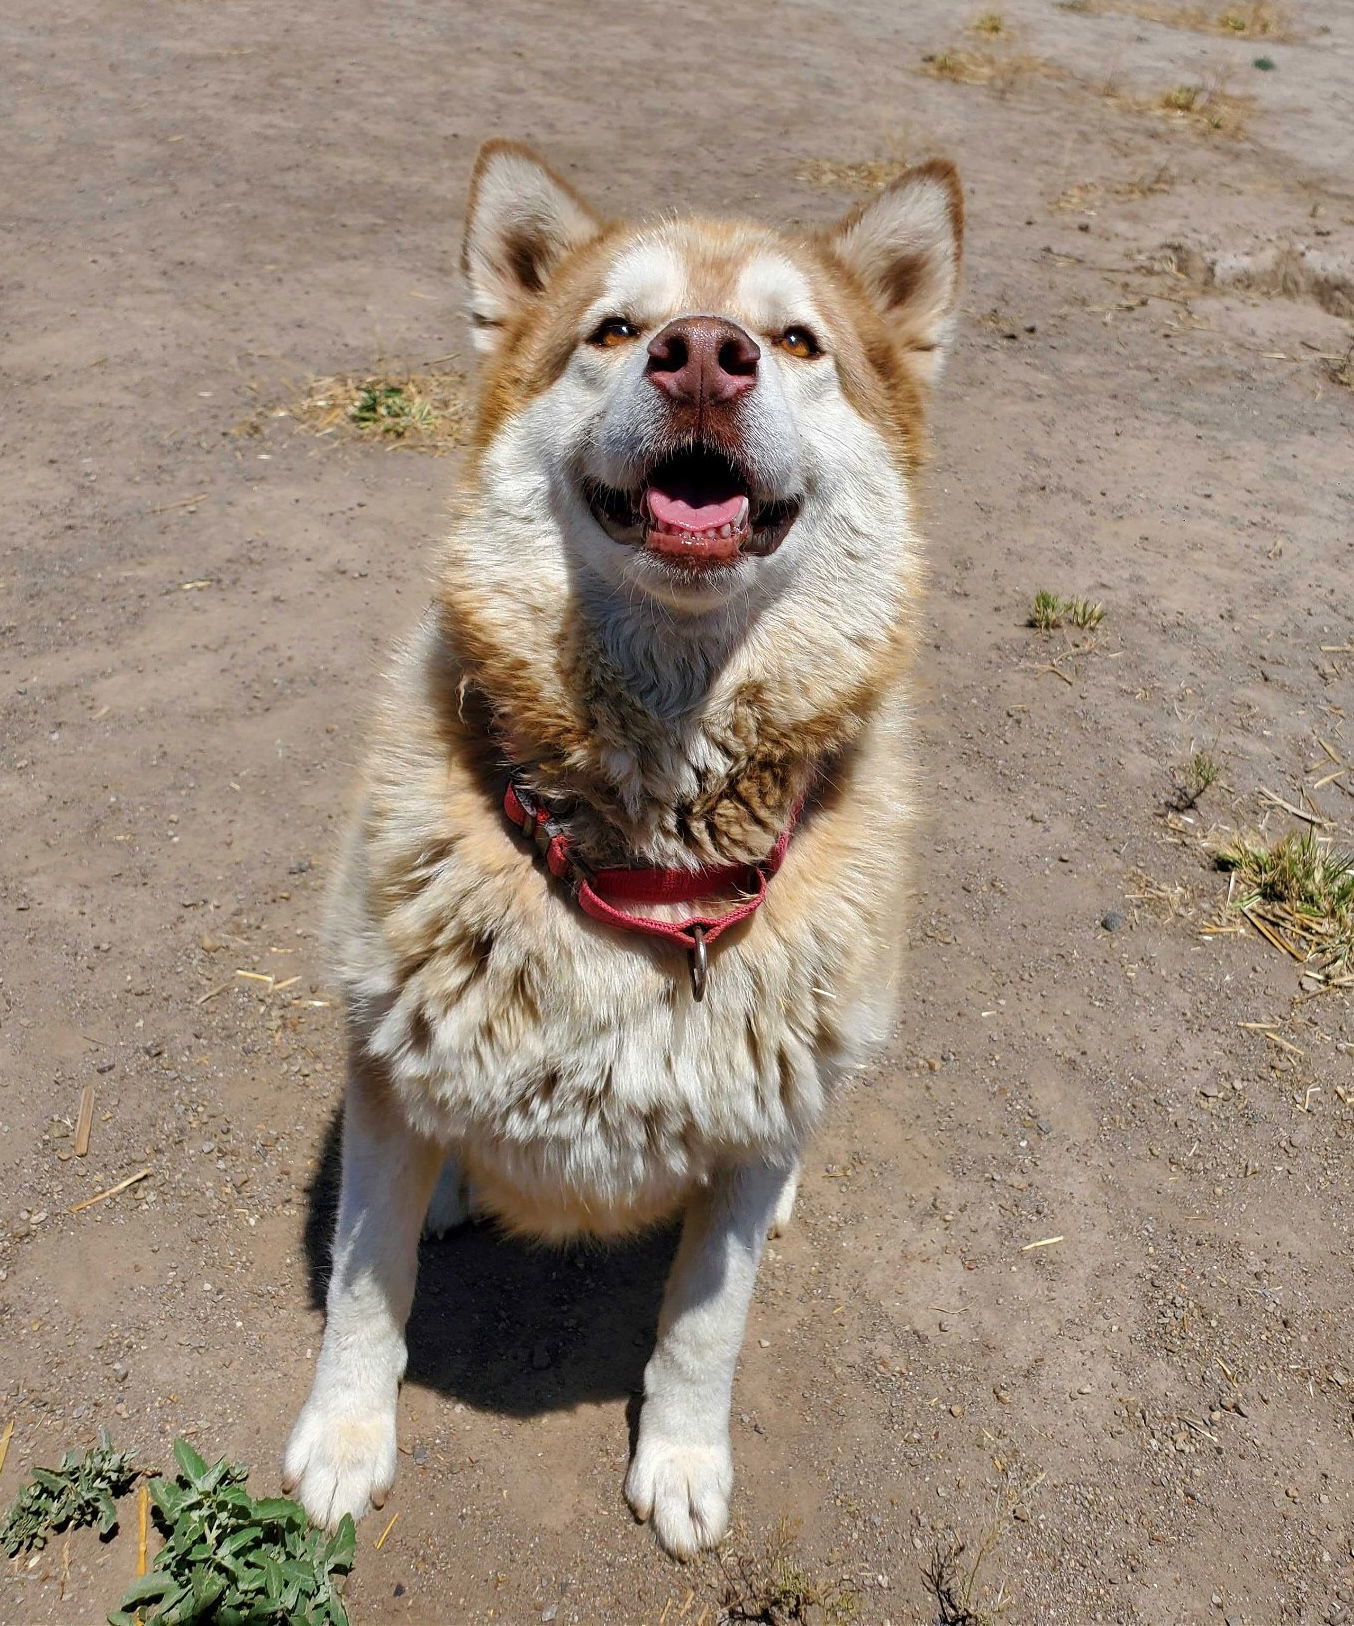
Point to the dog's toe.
(340, 1460)
(684, 1490)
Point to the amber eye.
(615, 330)
(799, 342)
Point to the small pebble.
(1112, 921)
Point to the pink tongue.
(677, 515)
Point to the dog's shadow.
(509, 1327)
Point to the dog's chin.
(696, 518)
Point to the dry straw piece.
(85, 1123)
(112, 1191)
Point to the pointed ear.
(905, 246)
(522, 219)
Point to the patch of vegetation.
(1257, 19)
(422, 411)
(1001, 68)
(1299, 891)
(990, 23)
(1341, 368)
(81, 1491)
(234, 1560)
(1207, 107)
(1049, 611)
(943, 1581)
(1192, 780)
(867, 175)
(1260, 20)
(1086, 193)
(773, 1588)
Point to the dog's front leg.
(682, 1473)
(341, 1455)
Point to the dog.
(623, 898)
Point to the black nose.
(703, 359)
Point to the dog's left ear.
(521, 221)
(905, 246)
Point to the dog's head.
(701, 410)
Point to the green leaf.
(218, 1474)
(280, 1509)
(207, 1588)
(168, 1497)
(193, 1466)
(238, 1541)
(155, 1585)
(339, 1550)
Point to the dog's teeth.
(725, 531)
(744, 509)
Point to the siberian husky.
(624, 895)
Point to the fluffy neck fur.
(674, 741)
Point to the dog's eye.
(800, 342)
(615, 330)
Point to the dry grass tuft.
(1165, 899)
(869, 175)
(1191, 780)
(945, 1584)
(1001, 69)
(1049, 611)
(1249, 19)
(772, 1588)
(1340, 369)
(1208, 108)
(1302, 889)
(416, 411)
(990, 23)
(1257, 21)
(1080, 199)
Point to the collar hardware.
(598, 892)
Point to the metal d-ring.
(700, 962)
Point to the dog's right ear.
(521, 221)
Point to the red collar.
(597, 891)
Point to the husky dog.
(624, 895)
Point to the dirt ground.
(1149, 1419)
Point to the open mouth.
(696, 510)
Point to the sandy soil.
(1150, 1420)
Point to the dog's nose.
(702, 359)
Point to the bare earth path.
(1149, 1420)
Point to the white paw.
(684, 1490)
(450, 1202)
(341, 1456)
